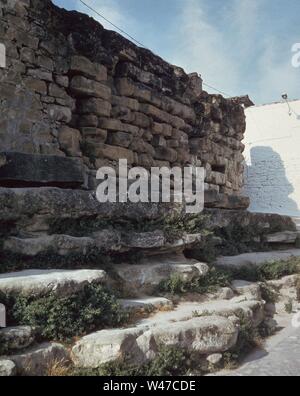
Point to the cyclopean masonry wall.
(86, 96)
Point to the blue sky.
(238, 46)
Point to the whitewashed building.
(272, 174)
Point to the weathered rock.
(288, 237)
(39, 360)
(60, 244)
(214, 359)
(106, 346)
(82, 65)
(146, 240)
(147, 304)
(250, 290)
(42, 282)
(138, 345)
(95, 106)
(83, 87)
(204, 335)
(38, 170)
(256, 259)
(7, 368)
(146, 276)
(32, 205)
(17, 337)
(69, 140)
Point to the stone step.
(256, 258)
(106, 240)
(145, 277)
(37, 361)
(205, 328)
(41, 282)
(285, 237)
(16, 338)
(146, 304)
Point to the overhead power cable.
(138, 42)
(112, 24)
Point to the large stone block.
(165, 154)
(21, 169)
(112, 153)
(69, 140)
(95, 106)
(81, 87)
(82, 65)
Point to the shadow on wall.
(267, 185)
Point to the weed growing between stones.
(4, 346)
(248, 339)
(268, 294)
(170, 361)
(62, 318)
(269, 271)
(289, 306)
(208, 284)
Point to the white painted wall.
(272, 139)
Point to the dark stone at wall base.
(32, 170)
(213, 199)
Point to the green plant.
(209, 283)
(61, 318)
(197, 314)
(268, 294)
(170, 361)
(267, 271)
(289, 306)
(248, 338)
(174, 285)
(4, 347)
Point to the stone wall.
(73, 89)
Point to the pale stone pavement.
(281, 357)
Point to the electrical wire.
(139, 43)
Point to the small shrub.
(278, 269)
(174, 285)
(267, 271)
(170, 361)
(61, 318)
(268, 294)
(4, 347)
(289, 306)
(248, 338)
(206, 284)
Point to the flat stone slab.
(288, 237)
(256, 259)
(147, 303)
(20, 170)
(42, 282)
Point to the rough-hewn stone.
(37, 170)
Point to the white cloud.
(276, 73)
(202, 47)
